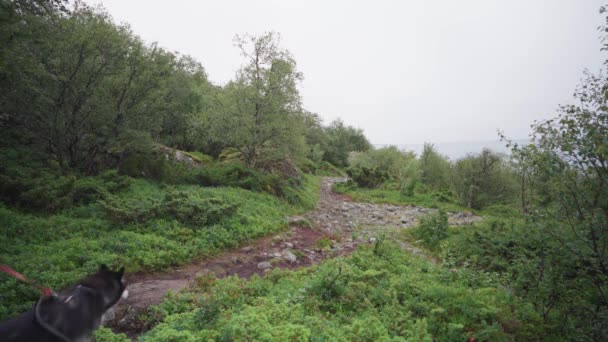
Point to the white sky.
(405, 71)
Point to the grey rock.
(264, 265)
(108, 316)
(287, 255)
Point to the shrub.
(233, 174)
(104, 334)
(35, 187)
(182, 206)
(367, 177)
(366, 297)
(433, 228)
(389, 160)
(195, 211)
(484, 179)
(434, 168)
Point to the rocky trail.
(336, 227)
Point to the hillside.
(240, 215)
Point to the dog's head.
(109, 284)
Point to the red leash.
(46, 291)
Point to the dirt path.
(334, 228)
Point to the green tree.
(434, 168)
(188, 99)
(78, 84)
(341, 140)
(568, 168)
(315, 136)
(389, 160)
(261, 110)
(483, 179)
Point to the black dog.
(72, 315)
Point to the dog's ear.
(103, 268)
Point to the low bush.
(147, 226)
(484, 179)
(432, 229)
(42, 190)
(367, 177)
(388, 296)
(233, 174)
(183, 206)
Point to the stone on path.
(264, 265)
(289, 256)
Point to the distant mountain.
(456, 150)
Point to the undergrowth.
(137, 223)
(370, 296)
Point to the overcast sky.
(404, 71)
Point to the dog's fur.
(74, 313)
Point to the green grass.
(377, 294)
(60, 248)
(389, 194)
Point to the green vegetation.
(544, 238)
(432, 229)
(91, 95)
(93, 161)
(145, 226)
(545, 235)
(378, 294)
(390, 193)
(387, 175)
(118, 152)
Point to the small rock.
(372, 239)
(287, 255)
(108, 316)
(247, 249)
(288, 244)
(264, 265)
(204, 273)
(276, 255)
